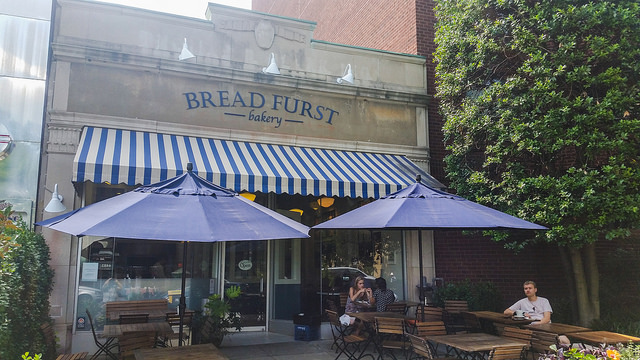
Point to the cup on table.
(519, 314)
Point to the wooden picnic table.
(601, 337)
(116, 330)
(474, 345)
(191, 352)
(557, 328)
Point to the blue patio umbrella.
(184, 208)
(420, 207)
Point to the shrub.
(26, 281)
(481, 295)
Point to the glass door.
(246, 267)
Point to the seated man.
(382, 296)
(535, 307)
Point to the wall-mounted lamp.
(272, 68)
(248, 196)
(314, 205)
(185, 54)
(325, 202)
(347, 77)
(55, 205)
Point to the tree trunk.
(593, 276)
(570, 283)
(585, 276)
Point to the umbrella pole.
(422, 298)
(183, 306)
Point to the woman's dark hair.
(381, 283)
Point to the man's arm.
(508, 312)
(546, 318)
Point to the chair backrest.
(541, 341)
(390, 325)
(456, 306)
(430, 328)
(131, 341)
(93, 329)
(429, 313)
(343, 299)
(174, 318)
(506, 353)
(134, 318)
(517, 333)
(420, 347)
(400, 308)
(472, 322)
(333, 317)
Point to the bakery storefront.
(307, 128)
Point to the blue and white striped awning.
(135, 157)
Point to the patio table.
(154, 314)
(557, 328)
(117, 330)
(501, 318)
(474, 345)
(192, 352)
(601, 337)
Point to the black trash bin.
(307, 327)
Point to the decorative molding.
(63, 139)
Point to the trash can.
(307, 327)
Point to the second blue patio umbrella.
(184, 208)
(420, 207)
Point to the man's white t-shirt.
(535, 309)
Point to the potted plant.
(218, 319)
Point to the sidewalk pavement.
(267, 346)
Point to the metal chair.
(174, 320)
(133, 318)
(131, 341)
(391, 336)
(507, 353)
(102, 347)
(422, 348)
(471, 322)
(347, 344)
(431, 328)
(541, 342)
(400, 308)
(453, 310)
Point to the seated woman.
(357, 292)
(382, 296)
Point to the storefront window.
(114, 269)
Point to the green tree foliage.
(542, 107)
(26, 281)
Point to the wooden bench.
(77, 356)
(50, 339)
(142, 306)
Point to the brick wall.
(377, 24)
(477, 258)
(408, 26)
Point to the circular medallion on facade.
(264, 33)
(245, 265)
(5, 142)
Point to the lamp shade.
(55, 205)
(325, 202)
